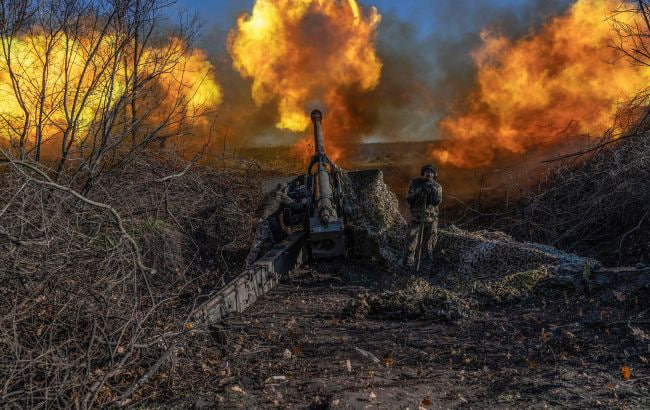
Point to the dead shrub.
(97, 292)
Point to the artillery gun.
(326, 205)
(322, 229)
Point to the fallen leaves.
(225, 370)
(452, 395)
(388, 359)
(620, 296)
(275, 380)
(639, 334)
(626, 373)
(519, 336)
(237, 389)
(568, 334)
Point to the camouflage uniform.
(423, 196)
(267, 214)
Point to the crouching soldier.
(424, 196)
(267, 215)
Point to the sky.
(428, 16)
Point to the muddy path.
(295, 349)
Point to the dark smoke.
(246, 124)
(422, 78)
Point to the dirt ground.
(295, 348)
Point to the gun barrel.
(323, 189)
(317, 118)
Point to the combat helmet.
(429, 167)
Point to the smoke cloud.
(422, 78)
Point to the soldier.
(424, 196)
(268, 216)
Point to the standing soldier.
(424, 196)
(268, 219)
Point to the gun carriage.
(321, 229)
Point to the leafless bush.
(594, 202)
(631, 24)
(600, 207)
(84, 319)
(107, 243)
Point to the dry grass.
(97, 292)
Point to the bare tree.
(92, 252)
(103, 80)
(631, 24)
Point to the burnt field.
(499, 323)
(299, 347)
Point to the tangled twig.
(75, 329)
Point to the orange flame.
(299, 53)
(193, 78)
(100, 76)
(303, 151)
(530, 91)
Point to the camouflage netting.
(496, 254)
(417, 299)
(597, 205)
(381, 227)
(479, 253)
(509, 288)
(470, 269)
